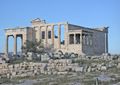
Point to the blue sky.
(88, 13)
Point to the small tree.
(37, 47)
(33, 46)
(49, 49)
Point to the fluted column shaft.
(81, 41)
(66, 35)
(59, 36)
(52, 35)
(74, 38)
(46, 36)
(22, 43)
(106, 42)
(15, 44)
(40, 36)
(6, 51)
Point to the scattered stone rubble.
(59, 66)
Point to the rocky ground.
(68, 79)
(62, 69)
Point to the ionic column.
(15, 44)
(21, 40)
(74, 39)
(90, 39)
(21, 43)
(6, 51)
(52, 35)
(66, 35)
(106, 42)
(46, 36)
(87, 39)
(40, 34)
(59, 36)
(24, 39)
(83, 36)
(81, 41)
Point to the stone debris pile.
(60, 66)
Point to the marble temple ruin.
(77, 39)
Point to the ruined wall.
(30, 34)
(99, 42)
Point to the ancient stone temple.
(75, 38)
